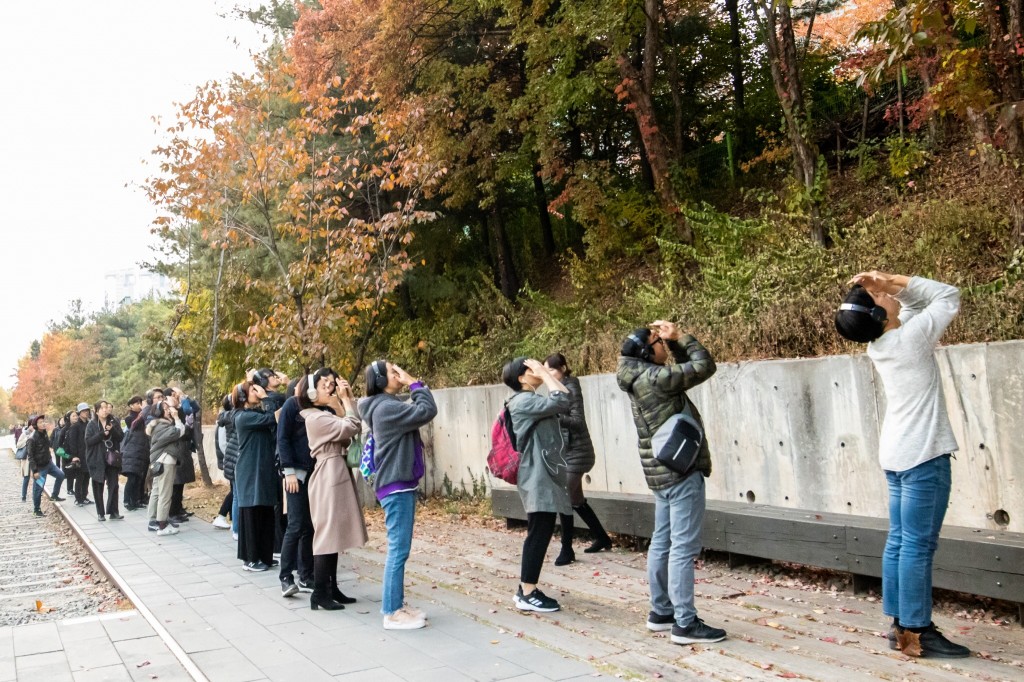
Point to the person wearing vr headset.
(542, 477)
(296, 465)
(398, 459)
(657, 366)
(272, 380)
(331, 422)
(256, 481)
(902, 319)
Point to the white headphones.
(311, 387)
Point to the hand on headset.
(665, 330)
(877, 282)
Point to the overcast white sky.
(80, 83)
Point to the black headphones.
(380, 379)
(240, 397)
(877, 312)
(645, 349)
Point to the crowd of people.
(288, 446)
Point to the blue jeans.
(24, 487)
(399, 515)
(234, 510)
(918, 499)
(675, 544)
(37, 488)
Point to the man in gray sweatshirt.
(902, 319)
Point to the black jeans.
(81, 479)
(297, 543)
(540, 528)
(133, 490)
(110, 475)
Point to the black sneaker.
(696, 632)
(288, 587)
(893, 643)
(56, 498)
(305, 585)
(153, 526)
(38, 512)
(257, 566)
(180, 518)
(101, 517)
(535, 601)
(659, 623)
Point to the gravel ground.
(45, 572)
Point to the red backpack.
(503, 459)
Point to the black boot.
(601, 540)
(321, 596)
(928, 642)
(567, 555)
(336, 594)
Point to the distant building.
(129, 285)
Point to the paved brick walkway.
(235, 626)
(113, 647)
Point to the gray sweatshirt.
(916, 427)
(395, 424)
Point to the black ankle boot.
(567, 555)
(928, 643)
(321, 599)
(601, 540)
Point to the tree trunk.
(987, 157)
(736, 47)
(777, 25)
(204, 470)
(508, 281)
(657, 148)
(540, 198)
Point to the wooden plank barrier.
(971, 560)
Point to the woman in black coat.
(135, 460)
(579, 459)
(102, 435)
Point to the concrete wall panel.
(794, 433)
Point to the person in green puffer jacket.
(656, 368)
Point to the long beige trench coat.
(333, 502)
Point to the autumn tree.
(309, 187)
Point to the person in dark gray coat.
(256, 479)
(542, 469)
(579, 460)
(135, 452)
(103, 435)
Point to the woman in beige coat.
(333, 502)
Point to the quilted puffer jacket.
(659, 391)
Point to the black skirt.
(256, 534)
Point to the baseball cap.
(83, 406)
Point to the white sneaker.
(403, 620)
(169, 530)
(234, 536)
(221, 522)
(414, 612)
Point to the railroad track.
(45, 572)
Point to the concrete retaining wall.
(791, 433)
